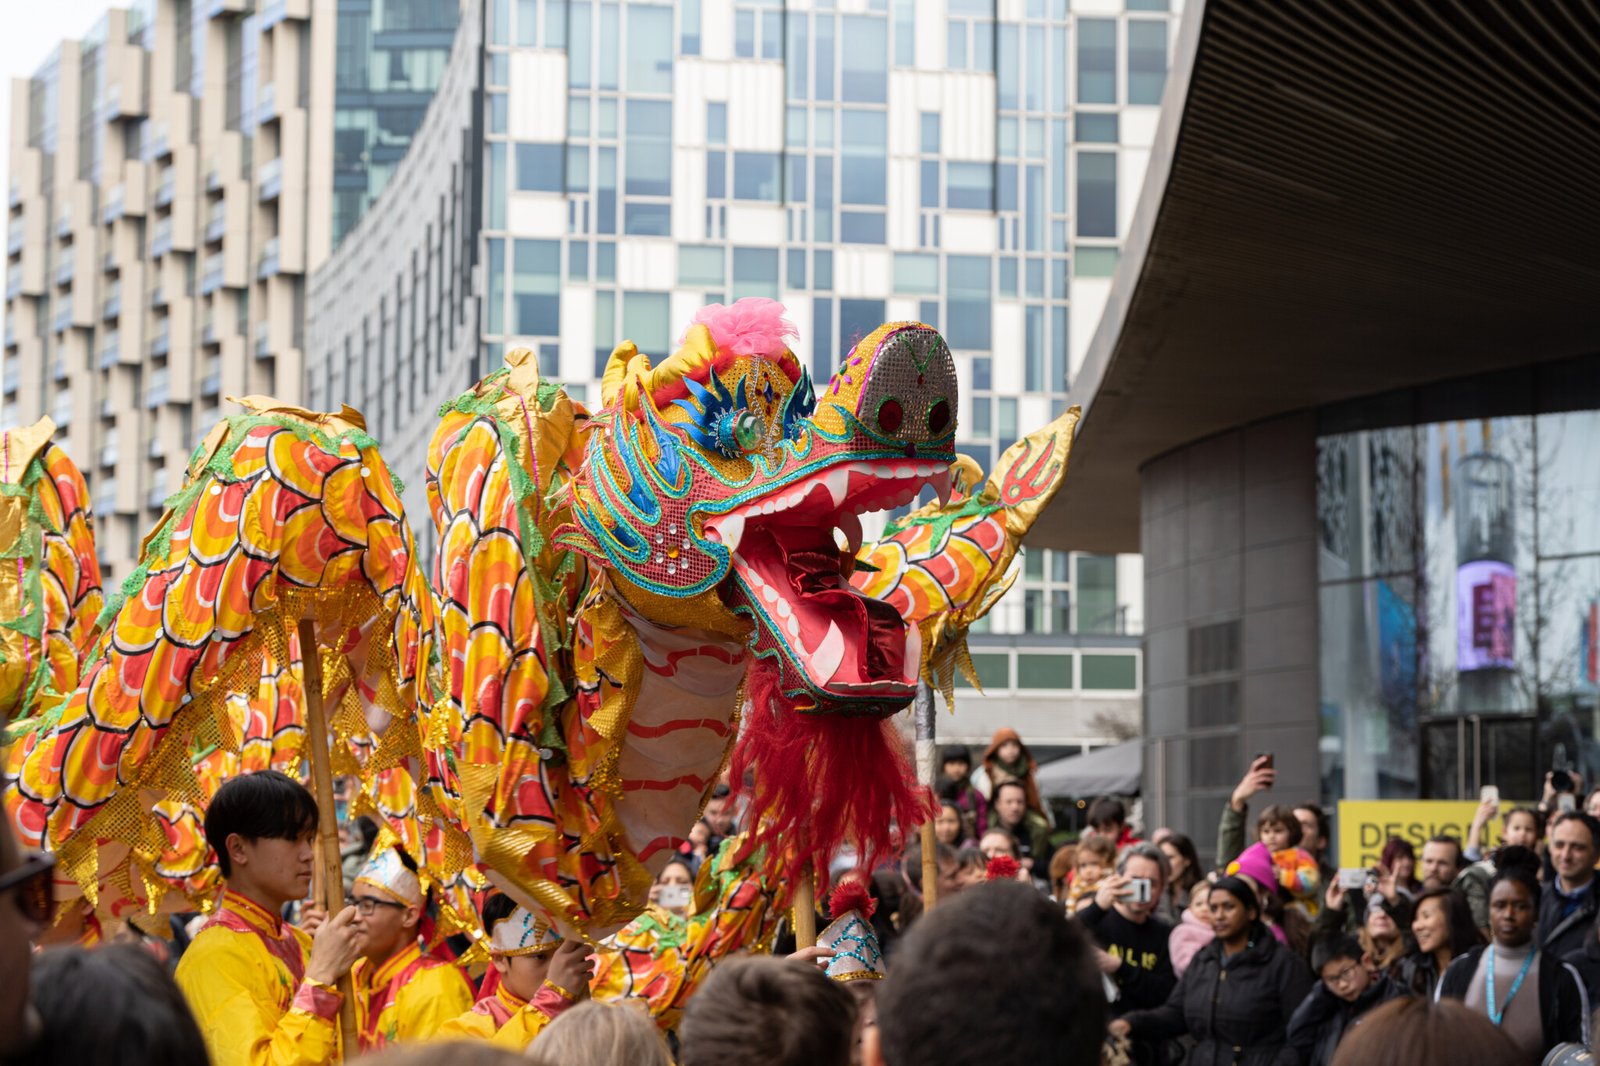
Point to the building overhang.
(1344, 197)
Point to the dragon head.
(713, 496)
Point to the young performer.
(401, 994)
(541, 975)
(262, 991)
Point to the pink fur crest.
(752, 326)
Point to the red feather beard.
(821, 781)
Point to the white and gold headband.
(385, 872)
(523, 933)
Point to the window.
(755, 272)
(1043, 671)
(649, 151)
(1112, 672)
(916, 273)
(1097, 194)
(755, 176)
(1096, 262)
(796, 268)
(716, 175)
(795, 62)
(716, 122)
(822, 271)
(700, 267)
(1147, 61)
(862, 227)
(578, 117)
(744, 34)
(539, 168)
(1098, 129)
(863, 170)
(971, 185)
(647, 220)
(1097, 593)
(605, 329)
(689, 27)
(494, 312)
(930, 132)
(1097, 61)
(968, 302)
(993, 668)
(644, 321)
(536, 288)
(866, 60)
(1033, 348)
(578, 169)
(857, 318)
(649, 66)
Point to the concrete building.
(1345, 400)
(172, 184)
(969, 164)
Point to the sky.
(28, 39)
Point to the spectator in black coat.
(1570, 903)
(1133, 941)
(1496, 980)
(1238, 994)
(1348, 989)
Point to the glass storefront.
(1459, 571)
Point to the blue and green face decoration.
(727, 493)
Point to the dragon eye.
(938, 417)
(738, 432)
(747, 430)
(889, 415)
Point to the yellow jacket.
(409, 997)
(506, 1019)
(244, 978)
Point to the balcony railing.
(64, 225)
(273, 12)
(267, 266)
(161, 239)
(157, 448)
(107, 409)
(157, 498)
(210, 385)
(11, 334)
(269, 180)
(109, 351)
(208, 333)
(263, 333)
(13, 284)
(58, 370)
(158, 147)
(167, 189)
(62, 321)
(161, 343)
(108, 265)
(158, 298)
(267, 104)
(216, 226)
(113, 208)
(16, 193)
(65, 270)
(108, 455)
(211, 275)
(13, 378)
(15, 236)
(157, 394)
(112, 307)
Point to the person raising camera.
(1132, 942)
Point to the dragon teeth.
(829, 654)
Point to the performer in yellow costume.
(541, 975)
(401, 994)
(262, 991)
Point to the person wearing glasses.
(24, 914)
(261, 990)
(401, 994)
(540, 973)
(1348, 989)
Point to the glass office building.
(861, 163)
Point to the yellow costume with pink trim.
(505, 1018)
(410, 997)
(244, 978)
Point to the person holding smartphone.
(674, 887)
(1132, 942)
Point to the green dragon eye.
(747, 430)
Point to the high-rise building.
(174, 178)
(968, 163)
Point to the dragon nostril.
(889, 415)
(939, 417)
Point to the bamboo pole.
(925, 723)
(332, 877)
(805, 910)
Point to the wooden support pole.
(923, 711)
(805, 910)
(331, 876)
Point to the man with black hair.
(1568, 908)
(997, 975)
(1109, 818)
(1348, 988)
(261, 990)
(401, 994)
(768, 1012)
(541, 974)
(1026, 826)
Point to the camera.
(1562, 781)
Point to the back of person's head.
(767, 1012)
(1106, 814)
(111, 1004)
(265, 805)
(1061, 864)
(604, 1034)
(1419, 1032)
(1330, 948)
(996, 975)
(1278, 814)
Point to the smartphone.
(1352, 878)
(1263, 757)
(1490, 794)
(1565, 802)
(675, 897)
(1139, 890)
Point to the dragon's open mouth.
(795, 576)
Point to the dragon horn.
(618, 369)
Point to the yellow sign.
(1366, 825)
